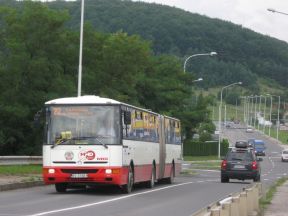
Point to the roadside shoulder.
(279, 202)
(10, 182)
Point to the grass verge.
(203, 162)
(20, 169)
(268, 196)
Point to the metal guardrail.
(20, 160)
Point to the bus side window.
(127, 117)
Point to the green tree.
(31, 72)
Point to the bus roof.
(93, 99)
(86, 99)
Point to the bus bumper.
(86, 175)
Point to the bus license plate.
(79, 175)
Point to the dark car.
(251, 142)
(240, 163)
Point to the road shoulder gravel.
(10, 182)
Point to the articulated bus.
(91, 141)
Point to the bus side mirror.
(127, 117)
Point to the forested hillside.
(242, 52)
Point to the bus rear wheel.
(151, 182)
(170, 180)
(130, 181)
(61, 187)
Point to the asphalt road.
(187, 195)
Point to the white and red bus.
(91, 140)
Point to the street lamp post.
(220, 109)
(271, 100)
(236, 110)
(244, 108)
(200, 54)
(278, 115)
(275, 11)
(251, 110)
(255, 113)
(246, 104)
(248, 111)
(80, 50)
(278, 120)
(198, 80)
(259, 111)
(264, 114)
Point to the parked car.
(240, 163)
(284, 155)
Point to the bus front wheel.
(61, 187)
(170, 180)
(130, 181)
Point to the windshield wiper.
(61, 141)
(100, 141)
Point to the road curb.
(18, 185)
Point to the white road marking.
(108, 201)
(207, 170)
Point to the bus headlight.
(51, 171)
(108, 171)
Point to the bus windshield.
(82, 125)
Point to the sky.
(252, 14)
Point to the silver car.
(284, 155)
